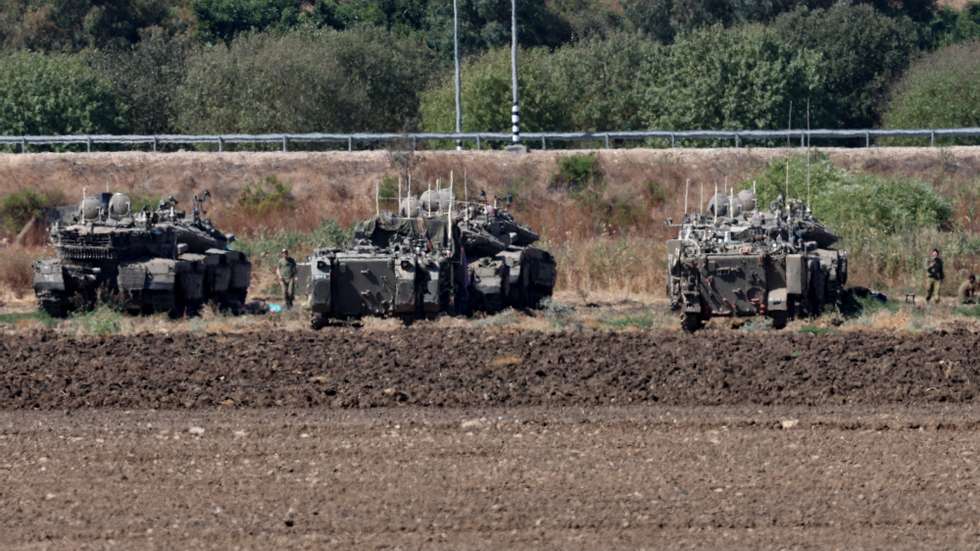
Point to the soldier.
(287, 277)
(934, 271)
(967, 292)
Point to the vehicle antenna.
(789, 128)
(731, 199)
(687, 185)
(700, 199)
(715, 199)
(808, 139)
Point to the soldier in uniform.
(287, 277)
(934, 271)
(967, 292)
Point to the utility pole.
(515, 111)
(459, 100)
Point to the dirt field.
(347, 368)
(470, 439)
(648, 477)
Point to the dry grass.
(609, 244)
(16, 270)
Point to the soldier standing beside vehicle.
(934, 271)
(287, 277)
(967, 292)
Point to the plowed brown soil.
(471, 368)
(306, 440)
(650, 477)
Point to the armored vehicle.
(434, 255)
(737, 260)
(157, 260)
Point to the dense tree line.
(142, 66)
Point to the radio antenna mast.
(715, 199)
(700, 199)
(687, 186)
(789, 129)
(809, 138)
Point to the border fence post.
(867, 139)
(544, 143)
(88, 144)
(478, 146)
(221, 144)
(606, 140)
(285, 147)
(932, 138)
(673, 140)
(350, 143)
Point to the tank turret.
(147, 261)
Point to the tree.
(863, 52)
(70, 25)
(145, 77)
(487, 96)
(741, 78)
(485, 24)
(225, 19)
(305, 80)
(54, 94)
(940, 90)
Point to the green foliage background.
(141, 66)
(941, 90)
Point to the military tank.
(737, 260)
(158, 260)
(433, 255)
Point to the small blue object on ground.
(274, 308)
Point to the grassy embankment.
(602, 215)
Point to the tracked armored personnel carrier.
(737, 260)
(434, 255)
(157, 260)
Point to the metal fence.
(480, 140)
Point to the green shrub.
(54, 94)
(742, 78)
(267, 245)
(20, 318)
(145, 78)
(305, 81)
(17, 208)
(102, 321)
(587, 85)
(856, 205)
(862, 52)
(886, 224)
(638, 321)
(266, 196)
(578, 173)
(938, 91)
(655, 193)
